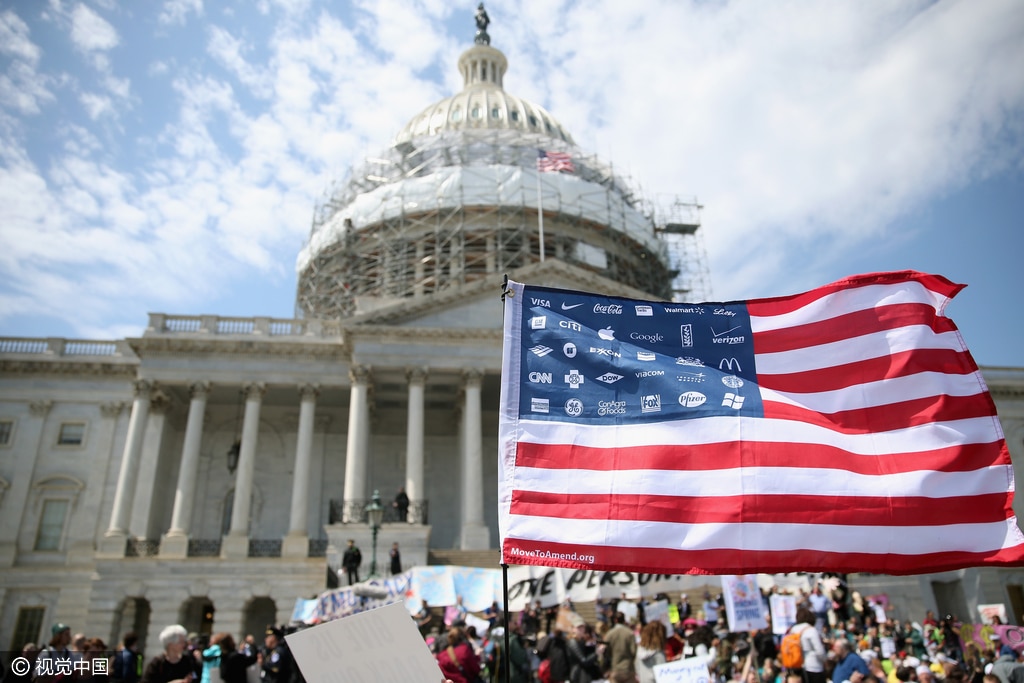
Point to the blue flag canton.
(601, 360)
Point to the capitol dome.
(458, 196)
(483, 104)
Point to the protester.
(127, 667)
(651, 651)
(847, 663)
(554, 649)
(457, 661)
(620, 655)
(171, 666)
(56, 650)
(234, 661)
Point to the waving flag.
(553, 162)
(843, 429)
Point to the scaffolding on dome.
(679, 225)
(440, 211)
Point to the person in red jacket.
(458, 662)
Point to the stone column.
(296, 543)
(114, 538)
(414, 446)
(356, 446)
(143, 522)
(175, 542)
(236, 544)
(475, 534)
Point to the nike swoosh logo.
(719, 334)
(569, 308)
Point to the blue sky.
(166, 156)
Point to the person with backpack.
(801, 648)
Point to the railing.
(162, 323)
(141, 547)
(317, 547)
(56, 346)
(204, 547)
(356, 512)
(265, 547)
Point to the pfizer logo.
(692, 399)
(574, 407)
(732, 381)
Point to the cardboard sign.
(379, 645)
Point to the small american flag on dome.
(553, 162)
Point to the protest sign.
(692, 670)
(743, 603)
(379, 645)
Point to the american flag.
(553, 162)
(844, 429)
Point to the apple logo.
(608, 334)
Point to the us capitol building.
(209, 472)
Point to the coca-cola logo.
(608, 309)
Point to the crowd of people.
(832, 641)
(835, 642)
(185, 658)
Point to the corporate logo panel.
(604, 360)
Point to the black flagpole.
(504, 567)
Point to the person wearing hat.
(275, 659)
(56, 650)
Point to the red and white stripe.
(880, 450)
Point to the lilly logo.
(692, 399)
(608, 334)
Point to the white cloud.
(96, 105)
(14, 38)
(175, 12)
(90, 32)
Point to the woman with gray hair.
(172, 666)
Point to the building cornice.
(185, 345)
(64, 366)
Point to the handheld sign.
(379, 645)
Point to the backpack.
(791, 652)
(544, 671)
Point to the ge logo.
(574, 407)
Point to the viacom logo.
(692, 399)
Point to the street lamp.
(375, 515)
